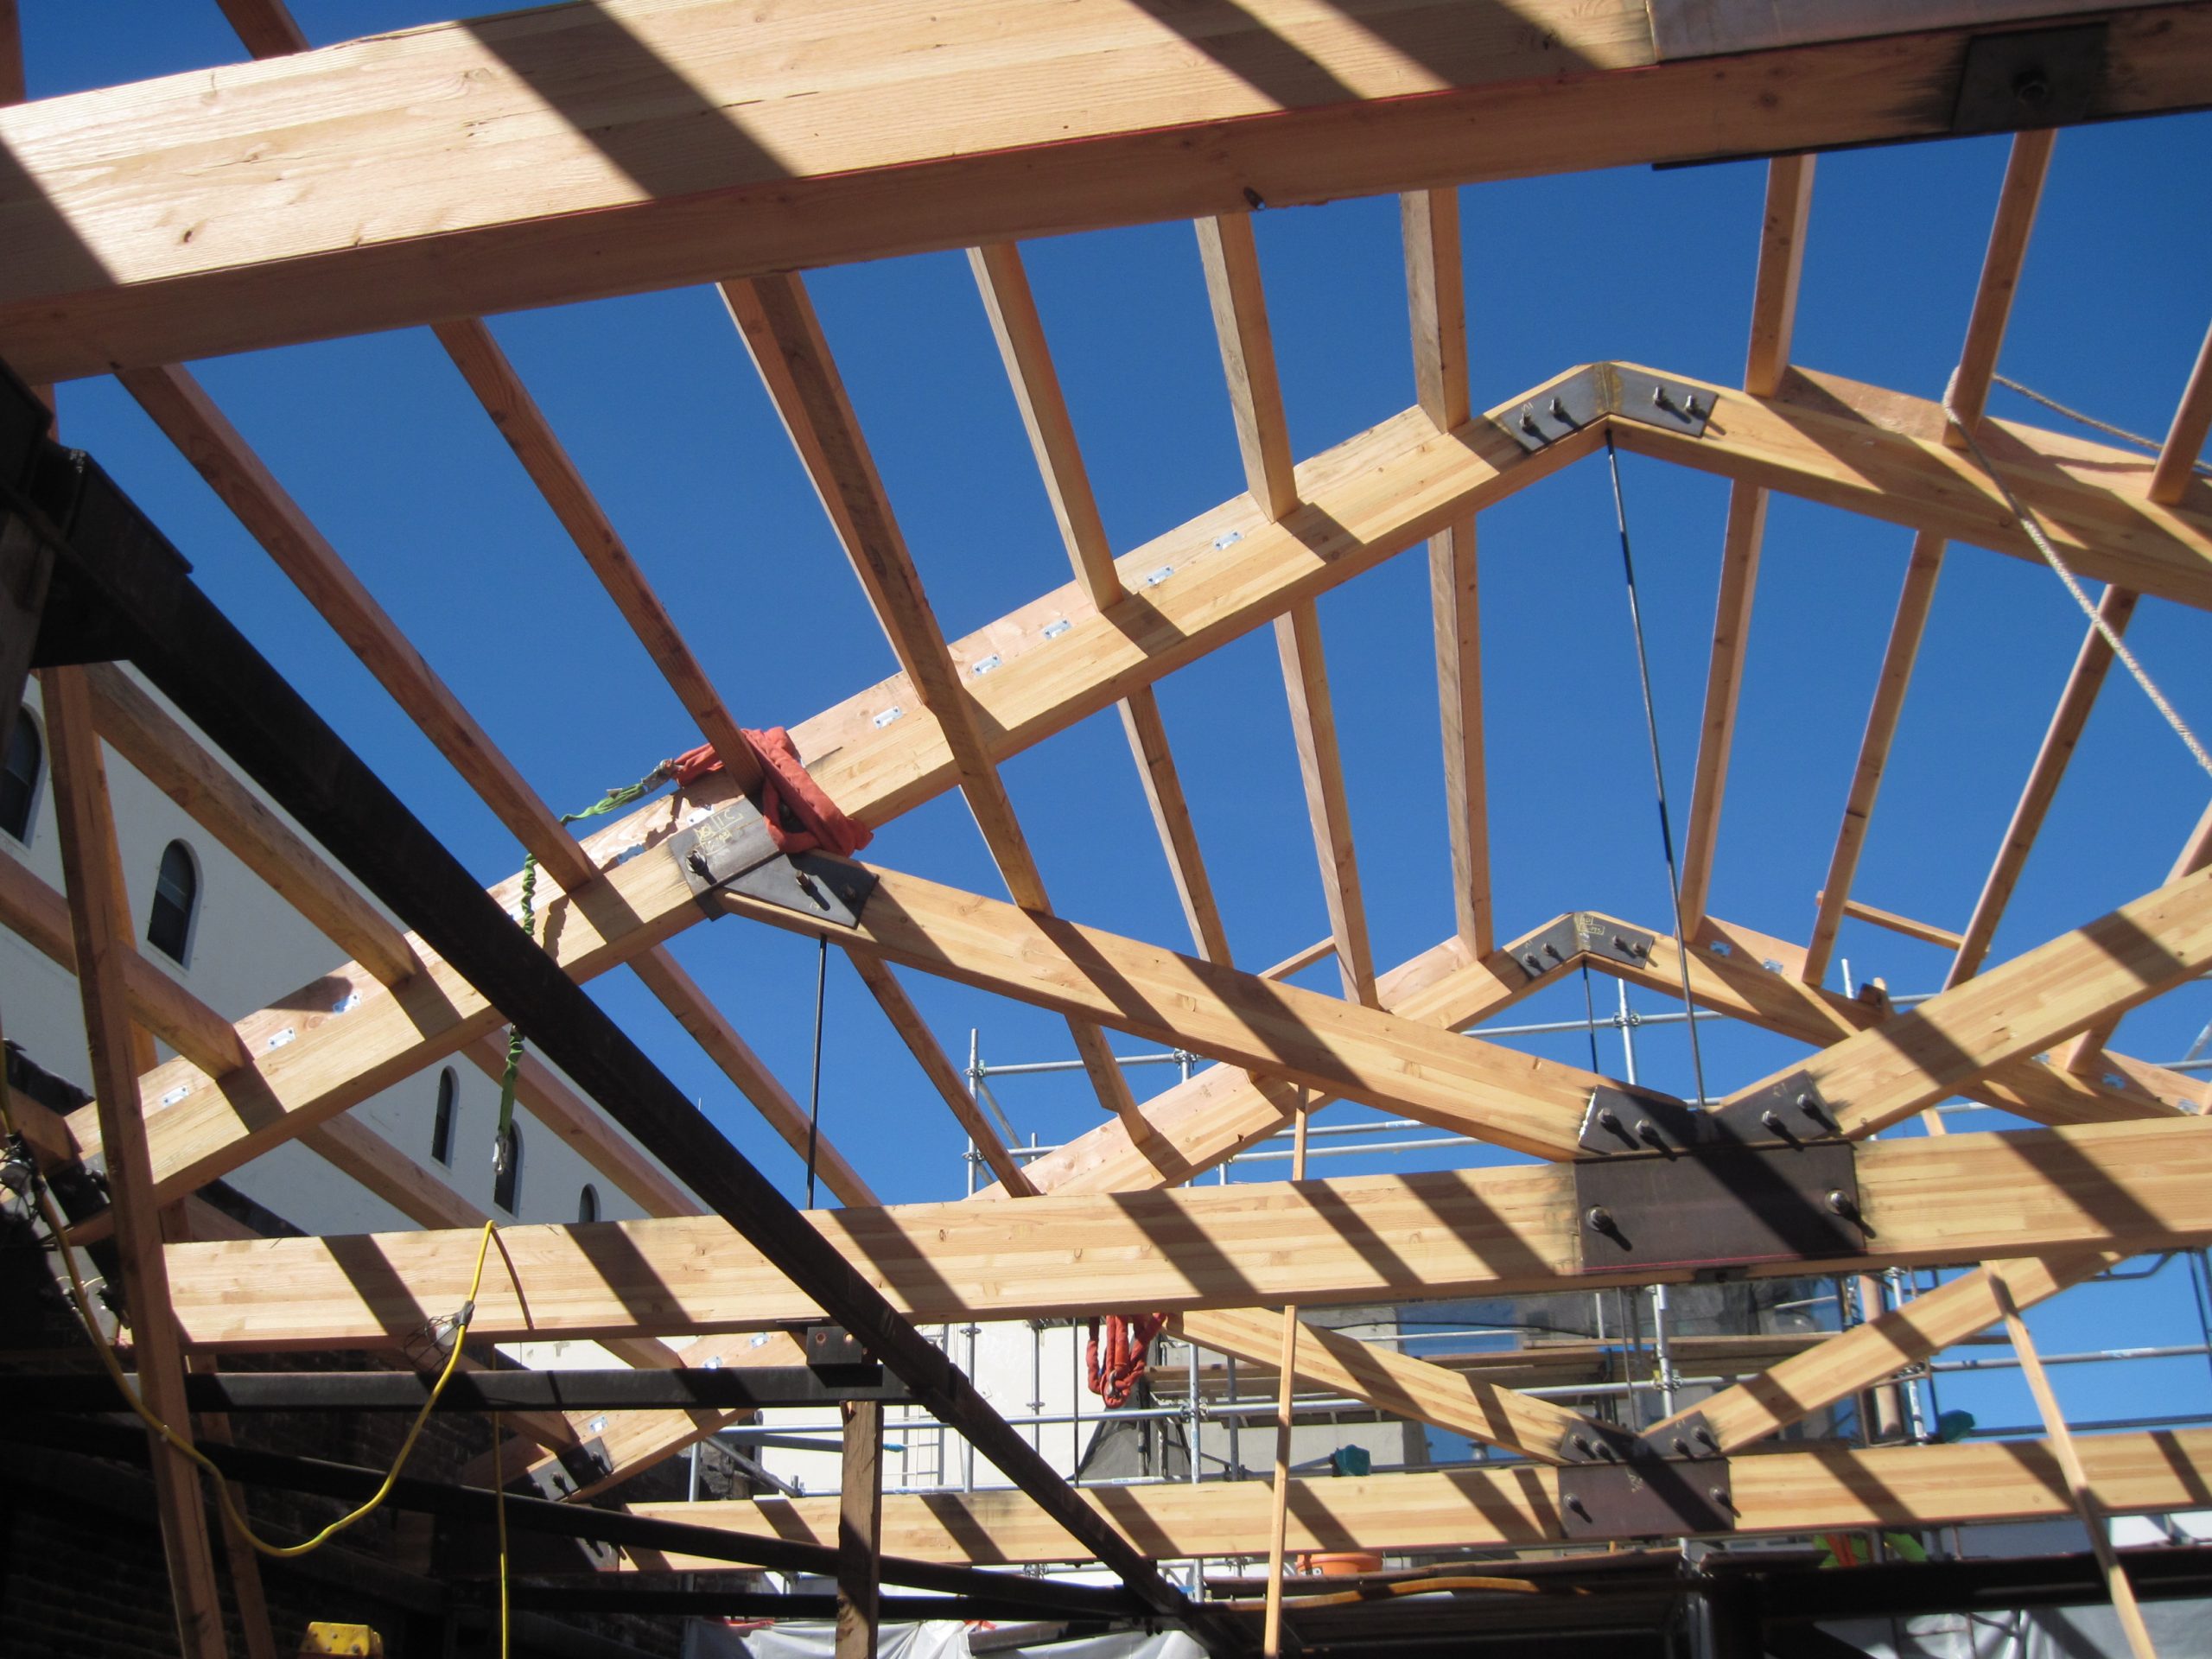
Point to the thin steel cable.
(2050, 556)
(2092, 421)
(814, 1079)
(1658, 771)
(1590, 1011)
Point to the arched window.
(177, 896)
(19, 777)
(442, 1125)
(588, 1203)
(506, 1184)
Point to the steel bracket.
(1582, 399)
(836, 1356)
(1582, 933)
(2032, 77)
(1791, 1112)
(1689, 1440)
(730, 850)
(1639, 1493)
(1717, 1206)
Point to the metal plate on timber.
(1622, 1118)
(1578, 934)
(1646, 1497)
(732, 850)
(1716, 1207)
(1691, 1438)
(1649, 401)
(2028, 78)
(1586, 397)
(578, 1465)
(1559, 411)
(1791, 1111)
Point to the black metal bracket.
(1582, 399)
(1642, 1491)
(731, 851)
(1582, 933)
(2032, 77)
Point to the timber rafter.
(562, 176)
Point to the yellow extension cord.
(82, 1300)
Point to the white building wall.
(248, 950)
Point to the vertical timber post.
(1279, 1514)
(99, 915)
(860, 1529)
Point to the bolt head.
(1608, 1119)
(1599, 1218)
(1839, 1201)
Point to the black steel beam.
(727, 1389)
(1796, 1594)
(117, 579)
(125, 1442)
(757, 1604)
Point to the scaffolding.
(1620, 1355)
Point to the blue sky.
(654, 397)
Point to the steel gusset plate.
(730, 850)
(1586, 397)
(1646, 1497)
(1718, 1207)
(1582, 933)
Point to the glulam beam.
(1011, 305)
(2133, 1187)
(1831, 1488)
(617, 147)
(1774, 320)
(1092, 976)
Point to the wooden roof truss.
(1415, 99)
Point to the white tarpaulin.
(936, 1639)
(2179, 1629)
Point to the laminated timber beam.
(1391, 1382)
(191, 420)
(1774, 326)
(1339, 1049)
(1223, 1109)
(1003, 283)
(1956, 1198)
(1371, 497)
(1834, 1488)
(2053, 992)
(1968, 391)
(1752, 976)
(785, 337)
(260, 205)
(1881, 1347)
(1881, 454)
(1869, 1080)
(123, 574)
